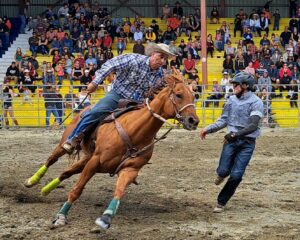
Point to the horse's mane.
(162, 84)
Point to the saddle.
(124, 106)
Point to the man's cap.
(86, 71)
(225, 73)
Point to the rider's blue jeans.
(104, 106)
(233, 161)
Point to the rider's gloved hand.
(230, 137)
(91, 88)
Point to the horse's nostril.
(191, 120)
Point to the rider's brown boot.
(70, 146)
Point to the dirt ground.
(174, 199)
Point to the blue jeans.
(233, 161)
(49, 110)
(105, 106)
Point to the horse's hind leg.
(74, 169)
(89, 170)
(35, 178)
(126, 177)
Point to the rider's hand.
(203, 134)
(91, 88)
(229, 137)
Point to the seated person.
(12, 73)
(214, 95)
(214, 15)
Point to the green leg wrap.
(38, 175)
(65, 208)
(113, 207)
(50, 186)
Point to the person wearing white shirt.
(138, 35)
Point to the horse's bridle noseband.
(177, 111)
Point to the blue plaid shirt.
(133, 75)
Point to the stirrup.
(68, 147)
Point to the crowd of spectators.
(80, 39)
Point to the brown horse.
(141, 126)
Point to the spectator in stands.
(169, 36)
(166, 12)
(255, 24)
(62, 13)
(49, 78)
(26, 81)
(59, 68)
(264, 41)
(85, 79)
(107, 41)
(225, 30)
(178, 10)
(284, 81)
(240, 64)
(264, 24)
(91, 59)
(56, 58)
(71, 100)
(82, 98)
(55, 45)
(60, 34)
(193, 24)
(210, 45)
(51, 98)
(189, 65)
(50, 34)
(32, 70)
(273, 72)
(109, 54)
(33, 43)
(293, 94)
(238, 25)
(81, 44)
(12, 73)
(43, 45)
(250, 69)
(121, 44)
(159, 37)
(219, 41)
(8, 95)
(183, 28)
(32, 23)
(41, 27)
(183, 51)
(138, 35)
(68, 65)
(139, 47)
(230, 50)
(18, 57)
(4, 33)
(24, 63)
(260, 70)
(214, 15)
(248, 37)
(228, 65)
(285, 37)
(276, 17)
(226, 85)
(150, 35)
(100, 60)
(264, 82)
(293, 8)
(67, 43)
(77, 72)
(215, 95)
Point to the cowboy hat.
(159, 48)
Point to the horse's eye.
(178, 95)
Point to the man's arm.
(116, 64)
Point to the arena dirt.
(174, 198)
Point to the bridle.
(177, 111)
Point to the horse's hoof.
(29, 184)
(60, 220)
(104, 222)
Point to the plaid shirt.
(134, 78)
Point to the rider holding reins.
(135, 75)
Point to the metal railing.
(30, 109)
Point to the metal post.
(203, 42)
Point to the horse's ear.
(173, 79)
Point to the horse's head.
(180, 103)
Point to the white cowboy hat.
(160, 47)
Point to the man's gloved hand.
(91, 88)
(230, 137)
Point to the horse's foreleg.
(35, 178)
(126, 177)
(89, 170)
(74, 169)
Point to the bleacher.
(284, 115)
